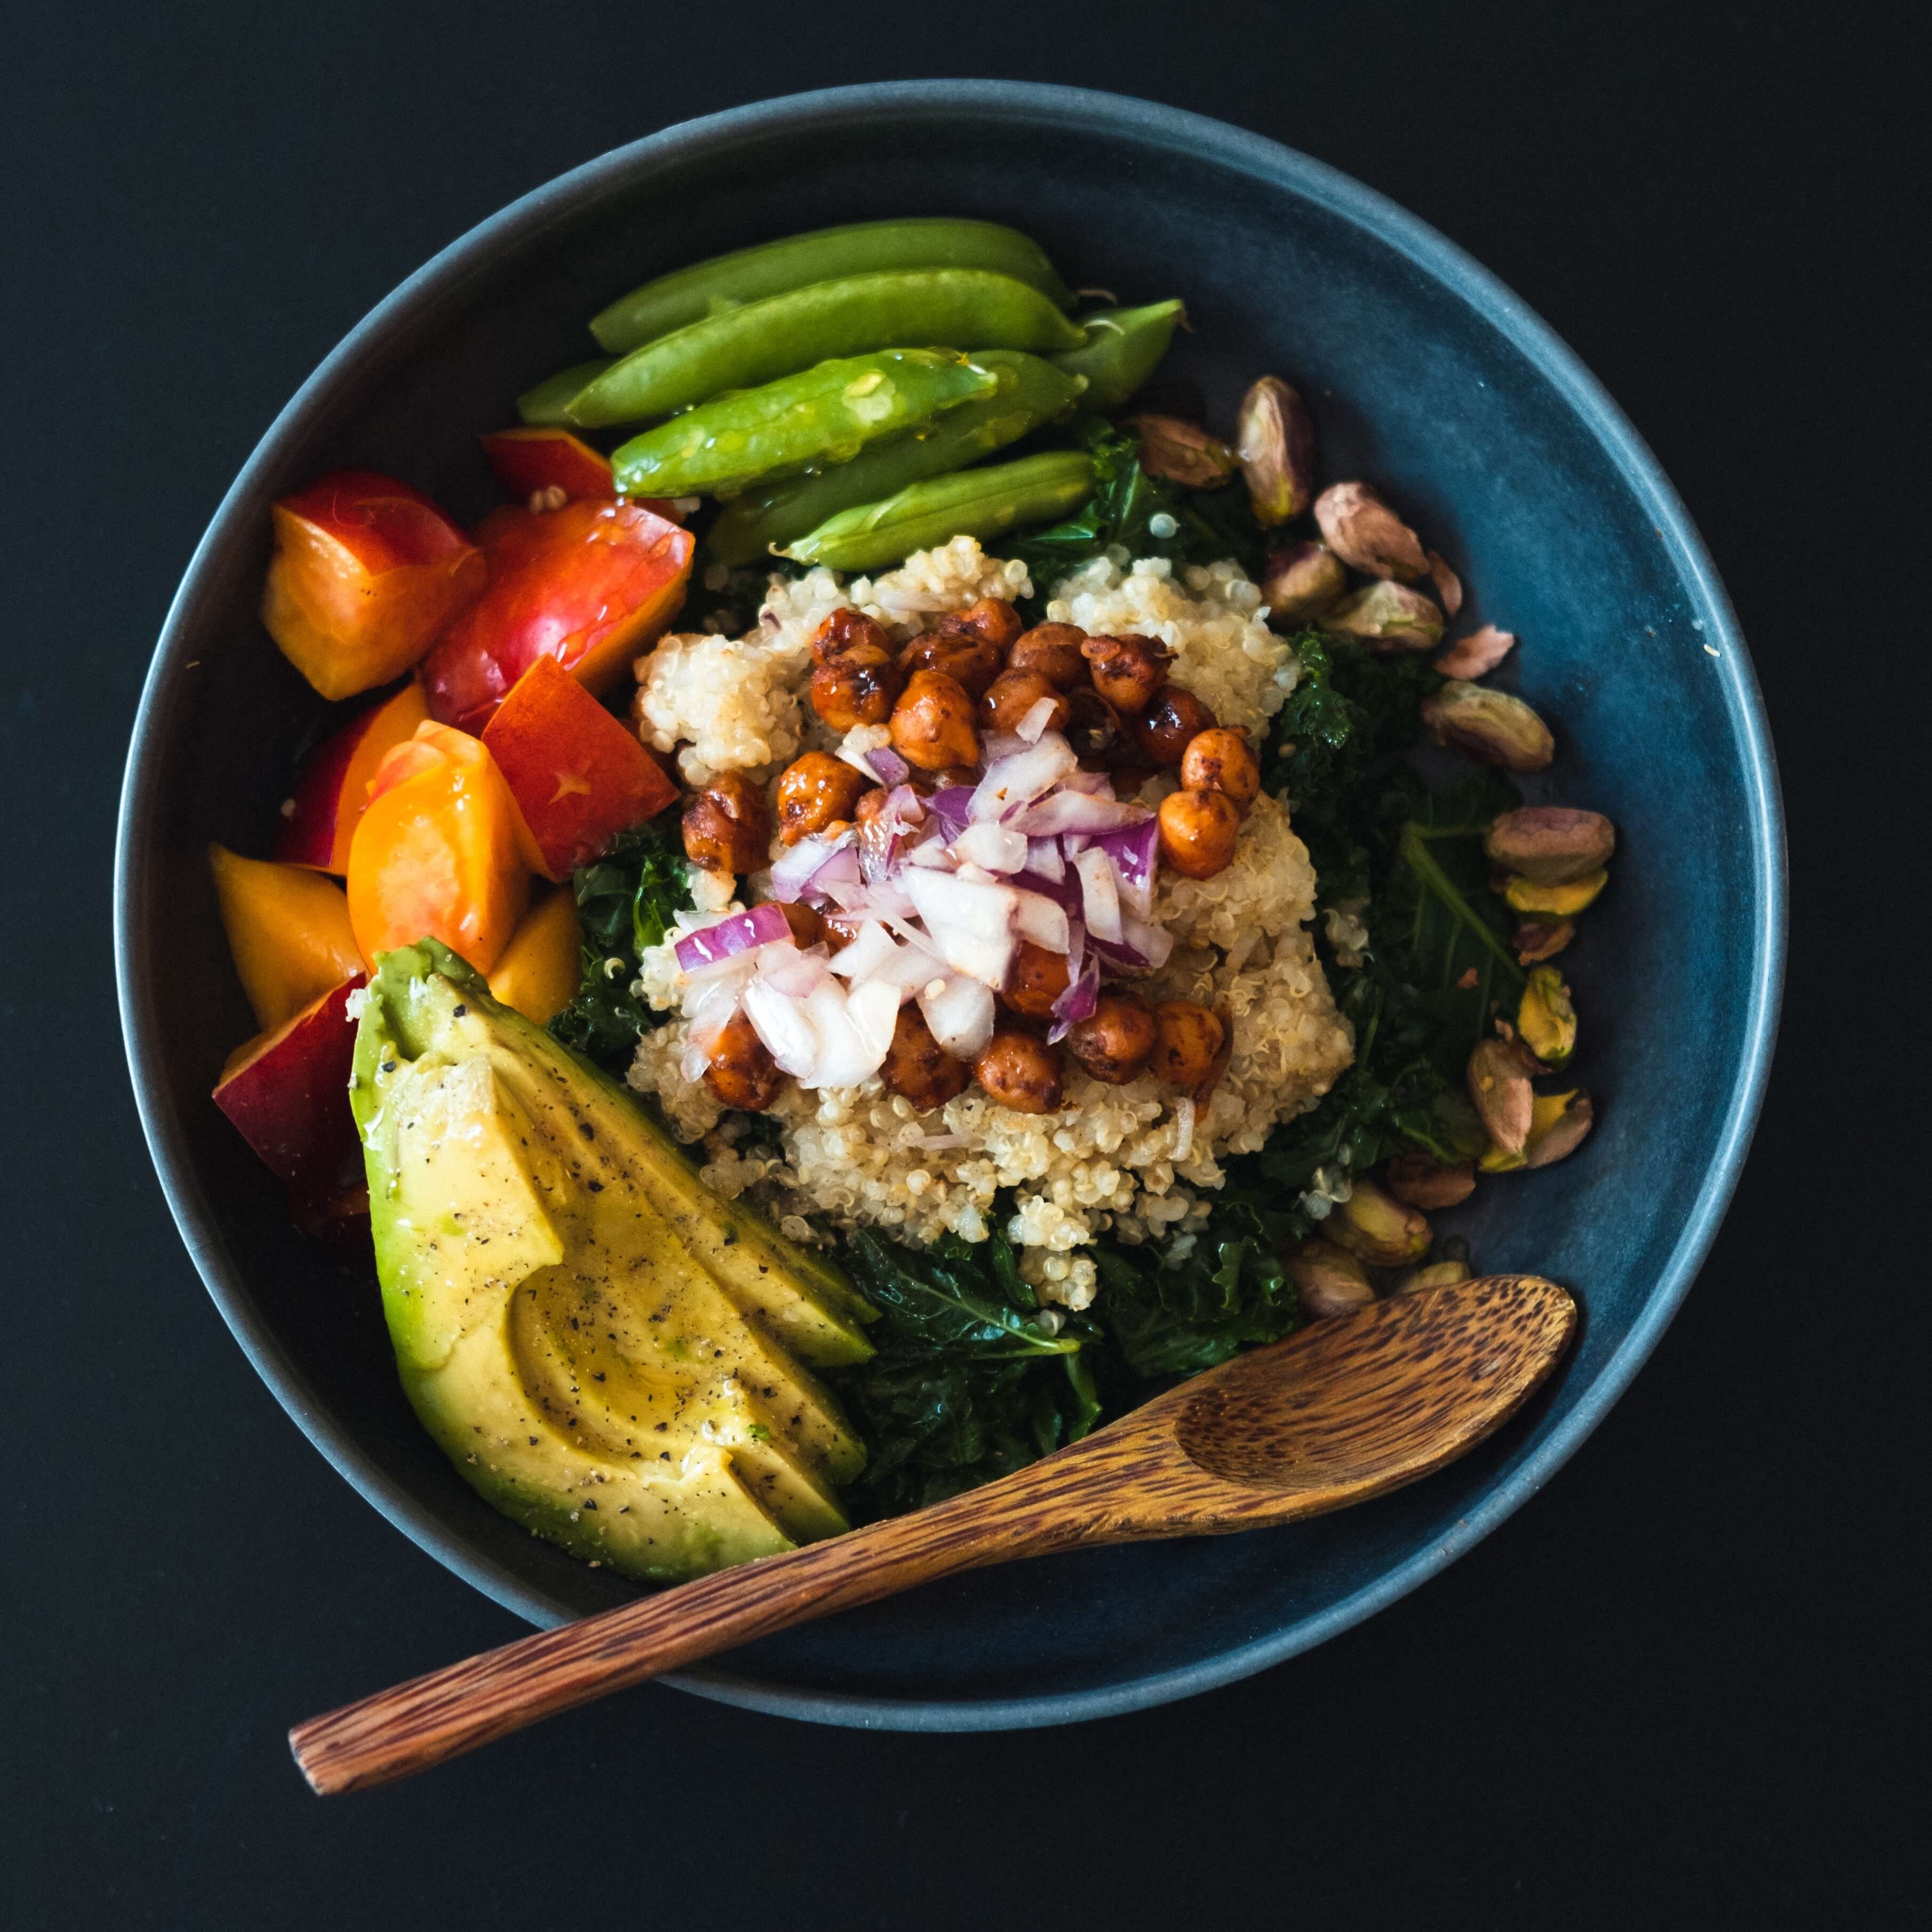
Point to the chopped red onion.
(1095, 784)
(959, 1015)
(1044, 857)
(797, 975)
(742, 930)
(814, 865)
(1142, 946)
(970, 924)
(952, 807)
(888, 767)
(1076, 811)
(1042, 922)
(867, 955)
(1100, 896)
(1024, 776)
(785, 1027)
(1076, 1003)
(992, 846)
(1039, 715)
(1133, 849)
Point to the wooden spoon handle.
(441, 1715)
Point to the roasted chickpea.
(742, 1073)
(857, 687)
(845, 628)
(962, 655)
(932, 723)
(1186, 1042)
(727, 827)
(838, 930)
(1220, 760)
(1092, 728)
(918, 1068)
(807, 927)
(948, 775)
(1012, 695)
(1130, 780)
(1172, 722)
(1198, 832)
(1115, 1041)
(1053, 651)
(1035, 979)
(992, 618)
(1127, 671)
(814, 792)
(1021, 1071)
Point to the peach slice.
(333, 786)
(540, 970)
(289, 932)
(287, 1090)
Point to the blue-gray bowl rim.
(1433, 254)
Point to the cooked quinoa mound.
(1134, 1160)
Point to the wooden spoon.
(1344, 1409)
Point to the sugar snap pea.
(547, 402)
(970, 502)
(1123, 347)
(1031, 392)
(827, 254)
(825, 414)
(946, 308)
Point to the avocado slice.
(607, 1352)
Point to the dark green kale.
(968, 1383)
(625, 902)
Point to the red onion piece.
(1100, 896)
(992, 846)
(952, 807)
(969, 925)
(1044, 857)
(1026, 775)
(741, 931)
(1133, 849)
(959, 1015)
(1066, 810)
(1042, 922)
(799, 869)
(1039, 715)
(1076, 1003)
(888, 767)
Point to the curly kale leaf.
(625, 902)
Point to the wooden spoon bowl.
(1341, 1411)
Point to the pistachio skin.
(1274, 443)
(1423, 1181)
(1301, 580)
(1551, 844)
(1437, 1274)
(1498, 1081)
(1367, 535)
(1558, 1124)
(1330, 1279)
(1495, 728)
(1388, 617)
(1181, 452)
(1376, 1228)
(1537, 939)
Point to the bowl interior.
(1424, 376)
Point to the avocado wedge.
(610, 1353)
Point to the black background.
(1677, 1689)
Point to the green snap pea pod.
(942, 308)
(826, 254)
(970, 503)
(1122, 349)
(825, 414)
(549, 402)
(1031, 392)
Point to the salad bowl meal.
(1075, 748)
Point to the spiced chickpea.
(1115, 1041)
(807, 927)
(918, 1068)
(1198, 832)
(1220, 760)
(1127, 671)
(727, 827)
(1165, 729)
(992, 618)
(845, 628)
(1186, 1042)
(1009, 699)
(838, 930)
(858, 686)
(973, 660)
(1091, 728)
(741, 1072)
(1034, 980)
(1053, 651)
(948, 775)
(932, 723)
(814, 792)
(1020, 1071)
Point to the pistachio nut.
(1542, 939)
(1367, 535)
(1498, 1079)
(1493, 726)
(1300, 581)
(1545, 1020)
(1274, 440)
(1564, 901)
(1423, 1181)
(1372, 1225)
(1551, 843)
(1477, 655)
(1448, 585)
(1332, 1281)
(1558, 1124)
(1437, 1274)
(1388, 617)
(1184, 452)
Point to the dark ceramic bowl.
(1425, 375)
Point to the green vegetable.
(549, 402)
(826, 414)
(1123, 348)
(726, 282)
(967, 1384)
(1031, 392)
(625, 902)
(951, 308)
(979, 503)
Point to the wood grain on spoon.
(1343, 1410)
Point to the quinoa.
(1133, 1161)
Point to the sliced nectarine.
(287, 1090)
(366, 573)
(333, 785)
(436, 856)
(288, 929)
(540, 969)
(589, 584)
(533, 458)
(579, 776)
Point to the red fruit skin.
(333, 786)
(287, 1092)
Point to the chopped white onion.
(971, 925)
(1023, 777)
(785, 1027)
(1039, 715)
(1100, 896)
(960, 1015)
(992, 846)
(872, 950)
(1044, 857)
(796, 974)
(1042, 921)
